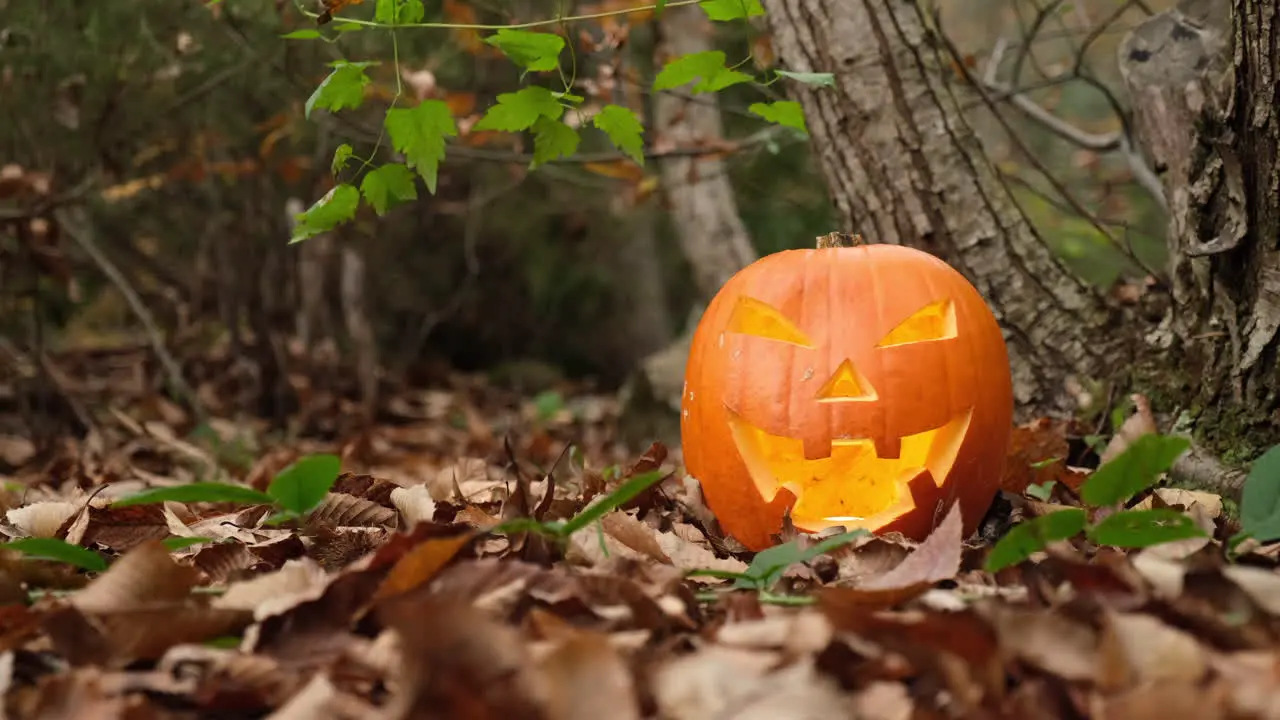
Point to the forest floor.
(468, 553)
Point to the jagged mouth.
(852, 486)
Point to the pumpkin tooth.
(817, 448)
(888, 448)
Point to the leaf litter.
(463, 557)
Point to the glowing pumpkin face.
(862, 386)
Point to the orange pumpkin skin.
(864, 386)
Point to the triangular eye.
(936, 321)
(754, 317)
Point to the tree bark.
(905, 167)
(703, 208)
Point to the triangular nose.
(846, 384)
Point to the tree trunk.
(905, 167)
(703, 208)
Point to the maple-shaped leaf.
(388, 185)
(340, 157)
(531, 50)
(399, 12)
(552, 139)
(725, 10)
(344, 88)
(520, 110)
(419, 133)
(706, 67)
(336, 207)
(782, 112)
(623, 127)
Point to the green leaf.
(348, 27)
(177, 543)
(520, 110)
(303, 34)
(410, 11)
(58, 551)
(1041, 492)
(810, 78)
(1031, 536)
(340, 157)
(388, 185)
(336, 207)
(537, 51)
(385, 12)
(658, 7)
(552, 139)
(1142, 528)
(1133, 470)
(343, 89)
(1260, 498)
(196, 492)
(725, 10)
(302, 486)
(624, 493)
(709, 66)
(399, 12)
(419, 133)
(623, 127)
(768, 565)
(782, 112)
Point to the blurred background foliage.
(180, 128)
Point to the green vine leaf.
(388, 185)
(623, 127)
(399, 12)
(810, 78)
(336, 207)
(1143, 528)
(303, 34)
(58, 551)
(709, 66)
(536, 51)
(520, 110)
(340, 158)
(1260, 498)
(343, 89)
(725, 10)
(419, 132)
(1132, 471)
(1031, 536)
(552, 139)
(783, 112)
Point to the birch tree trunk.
(904, 167)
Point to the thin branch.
(83, 237)
(1113, 142)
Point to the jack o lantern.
(864, 386)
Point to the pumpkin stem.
(840, 240)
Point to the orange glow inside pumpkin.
(853, 478)
(823, 484)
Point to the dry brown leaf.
(420, 564)
(272, 593)
(42, 519)
(341, 510)
(144, 577)
(414, 504)
(587, 679)
(1053, 643)
(1137, 648)
(1141, 422)
(1262, 586)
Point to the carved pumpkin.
(864, 386)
